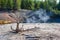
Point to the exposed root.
(20, 30)
(12, 28)
(16, 31)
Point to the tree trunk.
(17, 28)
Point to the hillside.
(6, 17)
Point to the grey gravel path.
(42, 31)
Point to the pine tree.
(0, 4)
(31, 4)
(23, 4)
(10, 4)
(37, 4)
(18, 4)
(58, 6)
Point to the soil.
(44, 31)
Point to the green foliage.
(3, 4)
(0, 4)
(10, 4)
(37, 4)
(54, 7)
(27, 4)
(56, 11)
(58, 6)
(31, 4)
(42, 5)
(18, 4)
(52, 4)
(23, 4)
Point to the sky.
(44, 0)
(56, 1)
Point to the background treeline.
(10, 4)
(30, 4)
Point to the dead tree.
(19, 19)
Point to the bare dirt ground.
(43, 31)
(10, 16)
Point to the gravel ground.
(43, 31)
